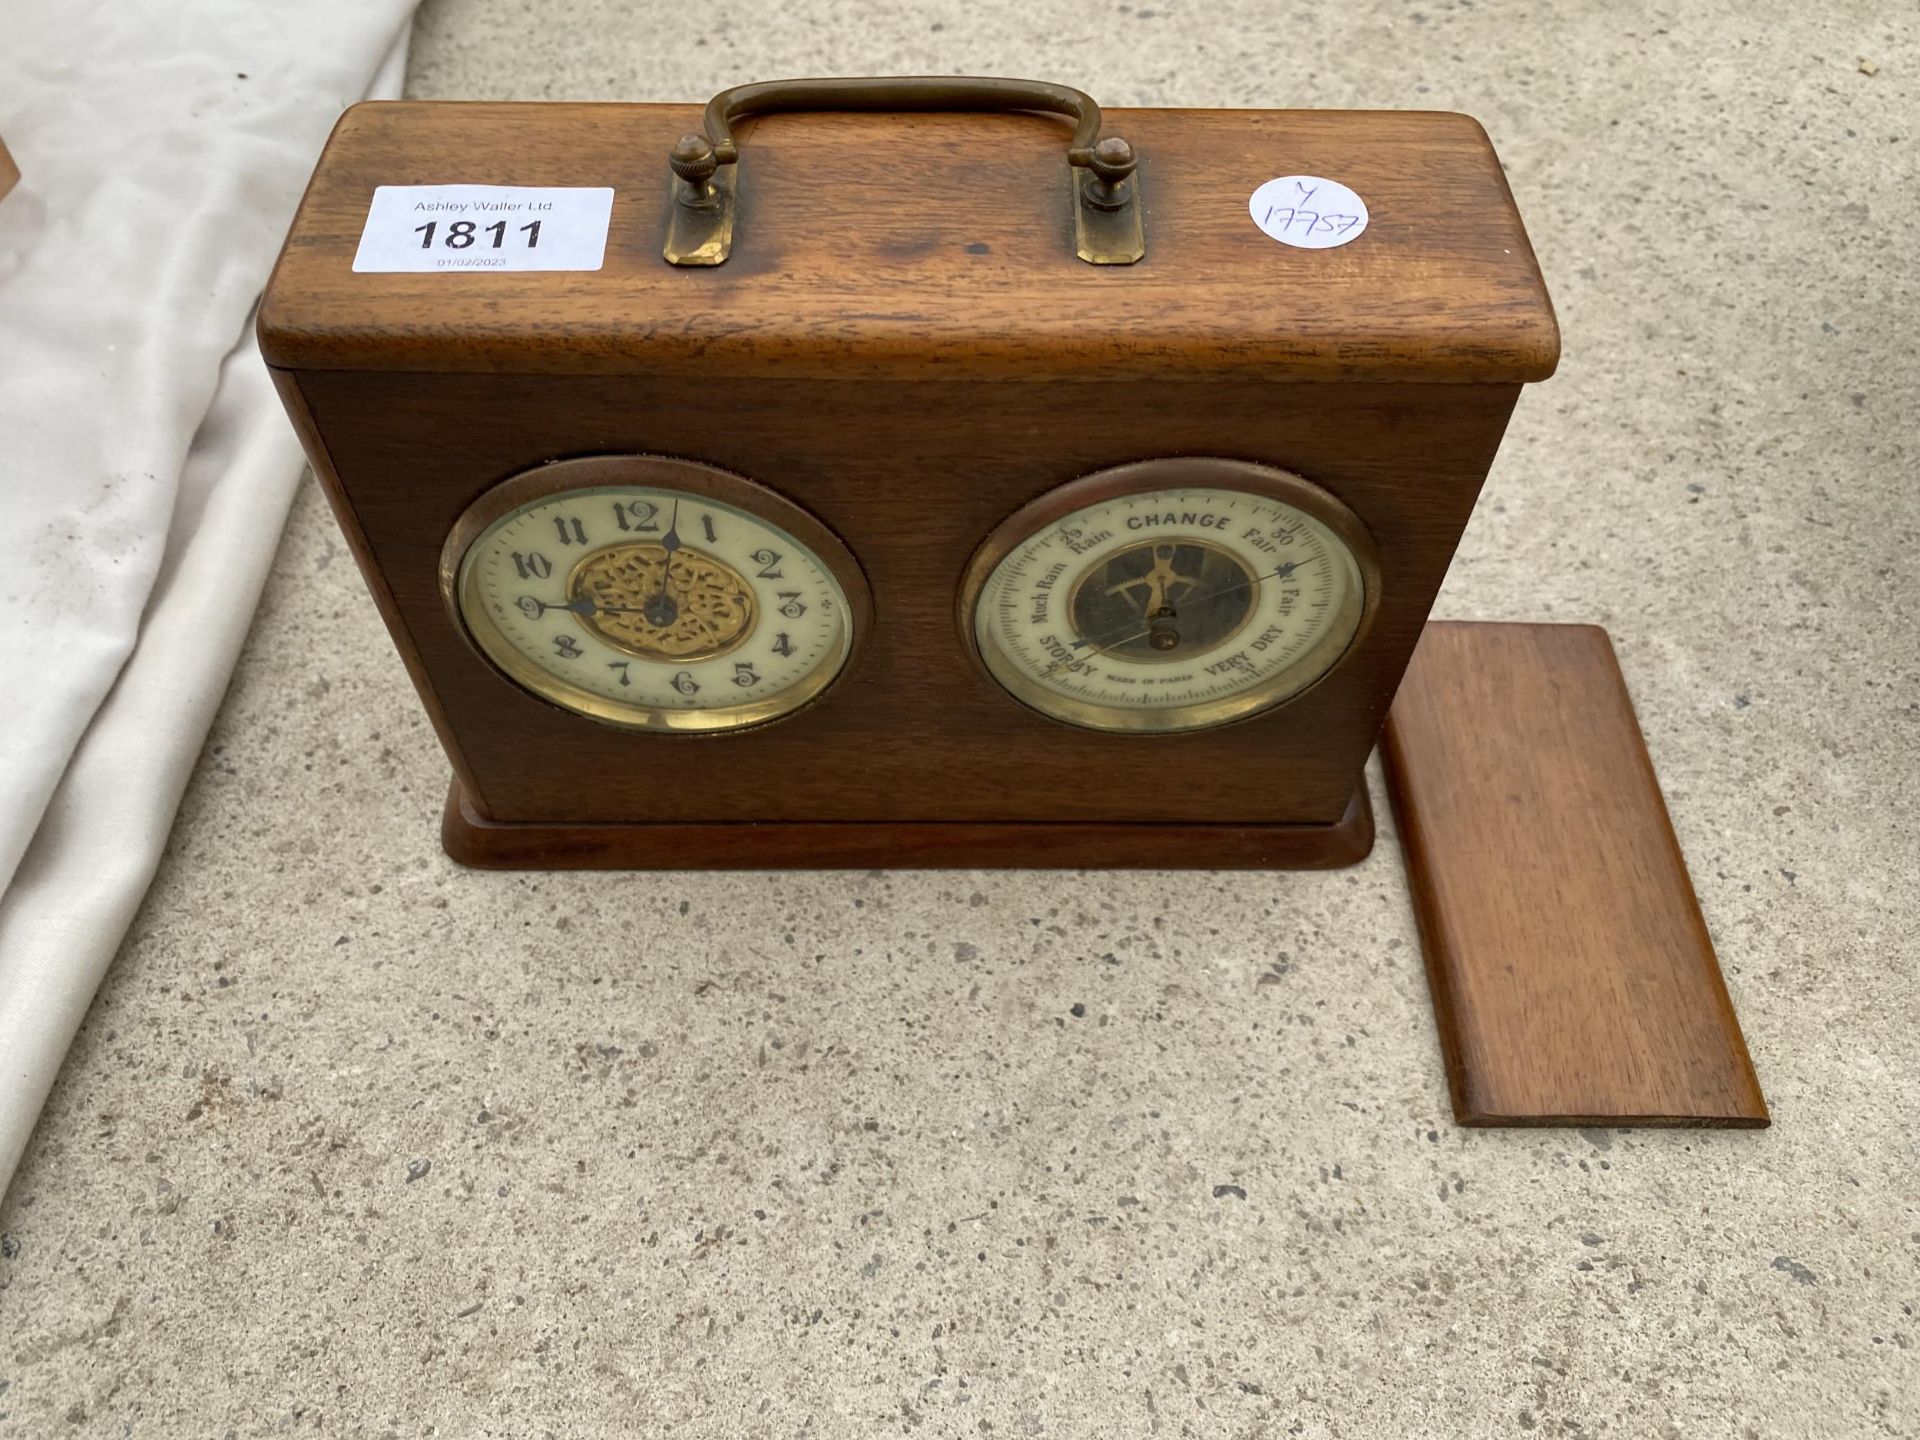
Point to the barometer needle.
(1104, 640)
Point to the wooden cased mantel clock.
(908, 471)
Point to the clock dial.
(1125, 602)
(653, 606)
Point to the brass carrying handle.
(902, 92)
(1107, 223)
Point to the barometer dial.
(1170, 595)
(653, 593)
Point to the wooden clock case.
(904, 344)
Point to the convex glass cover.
(653, 593)
(1170, 594)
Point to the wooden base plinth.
(1573, 978)
(488, 844)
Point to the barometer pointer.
(1284, 571)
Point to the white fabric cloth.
(145, 464)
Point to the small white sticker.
(1307, 212)
(413, 228)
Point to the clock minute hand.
(585, 605)
(537, 608)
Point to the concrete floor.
(357, 1143)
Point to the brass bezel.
(1141, 477)
(658, 472)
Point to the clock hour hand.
(670, 542)
(661, 610)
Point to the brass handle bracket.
(1104, 185)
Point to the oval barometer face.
(1170, 595)
(654, 593)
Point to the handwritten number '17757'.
(1316, 223)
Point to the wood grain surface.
(472, 839)
(911, 352)
(912, 477)
(1573, 977)
(937, 245)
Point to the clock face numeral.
(653, 608)
(636, 516)
(1173, 608)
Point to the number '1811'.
(462, 233)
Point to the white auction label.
(1308, 212)
(413, 228)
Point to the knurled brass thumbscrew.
(1110, 166)
(694, 162)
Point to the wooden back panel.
(1574, 980)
